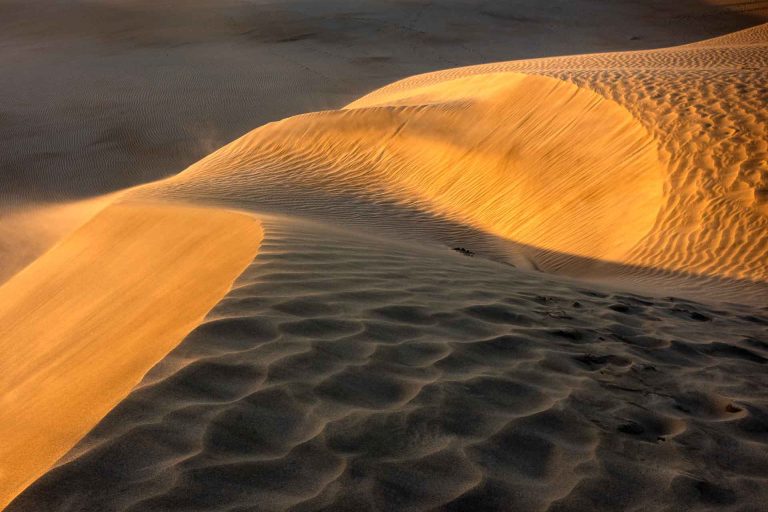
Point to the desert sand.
(100, 95)
(82, 324)
(286, 324)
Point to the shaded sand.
(82, 324)
(346, 372)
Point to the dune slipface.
(82, 324)
(358, 363)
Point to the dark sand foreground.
(349, 373)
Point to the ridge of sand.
(501, 388)
(81, 325)
(513, 150)
(527, 158)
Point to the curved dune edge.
(531, 159)
(82, 324)
(704, 104)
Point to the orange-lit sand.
(705, 106)
(531, 159)
(359, 363)
(29, 231)
(82, 324)
(614, 166)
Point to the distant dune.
(528, 285)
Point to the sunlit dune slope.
(654, 160)
(705, 105)
(82, 324)
(528, 158)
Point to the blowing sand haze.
(532, 285)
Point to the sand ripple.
(321, 382)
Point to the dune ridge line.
(82, 324)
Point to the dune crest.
(528, 158)
(652, 160)
(82, 324)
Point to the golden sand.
(82, 324)
(628, 164)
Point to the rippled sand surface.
(344, 372)
(528, 285)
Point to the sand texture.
(535, 285)
(647, 168)
(99, 95)
(81, 325)
(344, 372)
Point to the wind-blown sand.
(29, 230)
(359, 363)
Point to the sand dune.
(100, 95)
(531, 159)
(347, 372)
(81, 325)
(360, 363)
(705, 106)
(652, 160)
